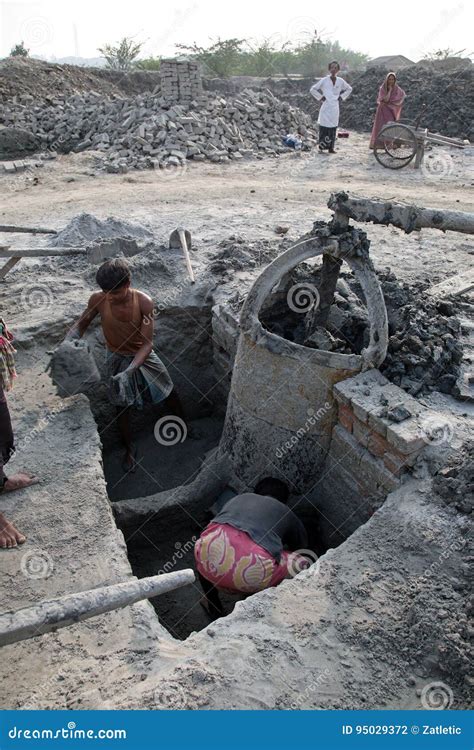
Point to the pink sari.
(389, 109)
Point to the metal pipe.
(59, 613)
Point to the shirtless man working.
(136, 376)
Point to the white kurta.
(329, 112)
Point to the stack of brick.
(180, 80)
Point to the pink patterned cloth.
(231, 560)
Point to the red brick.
(395, 464)
(346, 417)
(360, 431)
(377, 445)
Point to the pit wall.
(370, 454)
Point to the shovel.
(182, 238)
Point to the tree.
(443, 54)
(122, 56)
(19, 50)
(259, 60)
(221, 59)
(149, 63)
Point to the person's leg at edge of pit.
(9, 534)
(225, 550)
(136, 375)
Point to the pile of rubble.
(147, 131)
(426, 343)
(26, 77)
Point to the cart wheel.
(396, 146)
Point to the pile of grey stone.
(150, 131)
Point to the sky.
(58, 28)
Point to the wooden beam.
(67, 610)
(9, 265)
(401, 215)
(40, 252)
(454, 286)
(26, 230)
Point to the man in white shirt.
(329, 90)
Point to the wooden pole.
(26, 230)
(40, 252)
(401, 215)
(67, 610)
(9, 265)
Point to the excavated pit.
(167, 543)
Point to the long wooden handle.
(26, 230)
(39, 252)
(67, 610)
(184, 245)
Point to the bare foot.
(19, 481)
(9, 535)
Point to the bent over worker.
(329, 90)
(250, 545)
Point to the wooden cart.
(398, 143)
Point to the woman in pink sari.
(390, 103)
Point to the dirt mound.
(16, 142)
(448, 96)
(85, 228)
(41, 80)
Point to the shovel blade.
(175, 241)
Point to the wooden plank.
(40, 252)
(454, 286)
(9, 265)
(26, 230)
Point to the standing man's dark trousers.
(327, 138)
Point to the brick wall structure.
(378, 437)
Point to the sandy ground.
(250, 197)
(213, 202)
